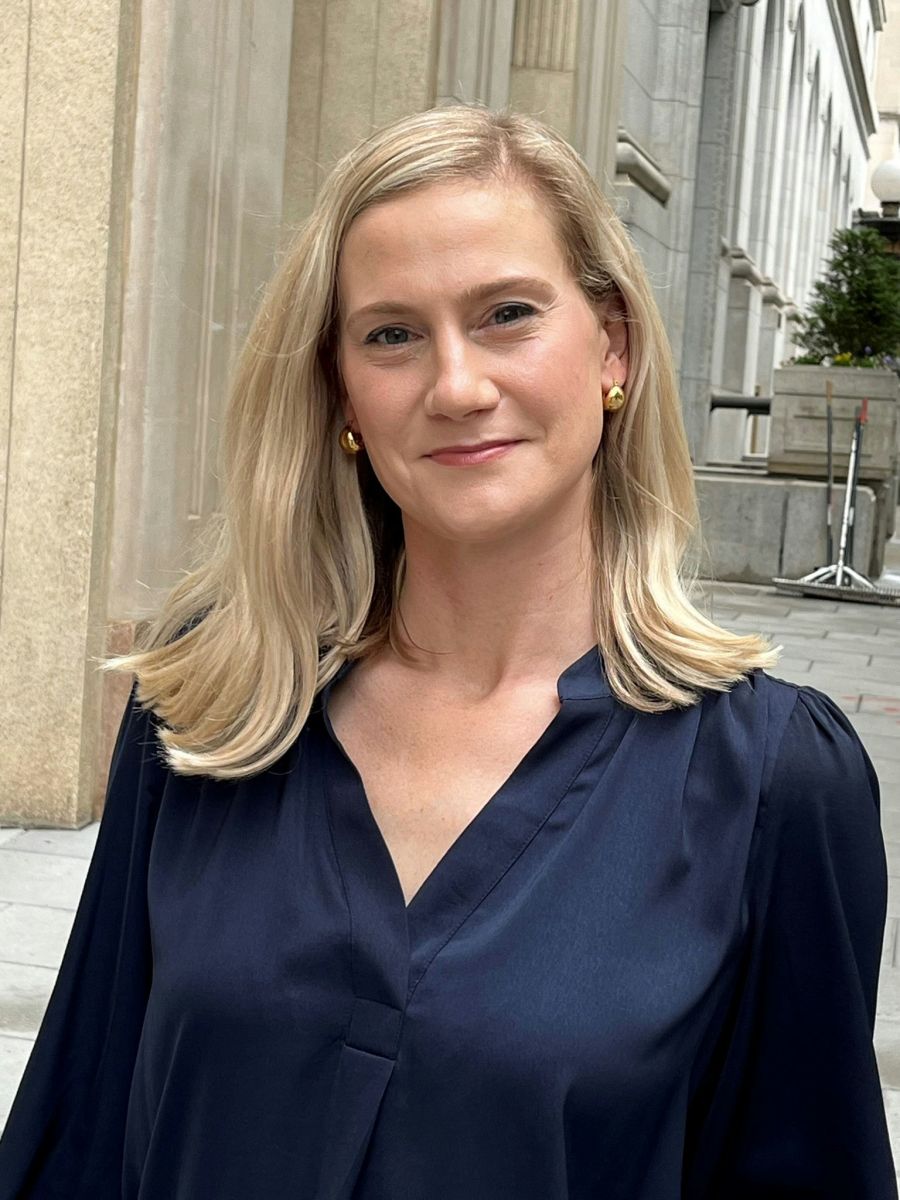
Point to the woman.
(403, 889)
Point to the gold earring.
(350, 442)
(615, 398)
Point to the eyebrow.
(481, 291)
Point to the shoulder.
(778, 709)
(791, 744)
(821, 770)
(757, 700)
(817, 806)
(820, 876)
(740, 729)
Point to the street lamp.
(886, 186)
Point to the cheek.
(574, 420)
(565, 365)
(387, 428)
(376, 399)
(569, 396)
(386, 422)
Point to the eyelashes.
(528, 311)
(395, 336)
(374, 338)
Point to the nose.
(460, 384)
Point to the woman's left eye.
(393, 335)
(512, 312)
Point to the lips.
(472, 455)
(472, 449)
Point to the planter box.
(756, 526)
(797, 439)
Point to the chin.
(478, 527)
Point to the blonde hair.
(307, 557)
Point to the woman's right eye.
(392, 335)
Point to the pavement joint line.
(20, 1037)
(7, 849)
(6, 961)
(31, 904)
(17, 962)
(892, 939)
(46, 828)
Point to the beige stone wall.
(354, 66)
(557, 59)
(544, 60)
(475, 51)
(13, 77)
(205, 226)
(58, 130)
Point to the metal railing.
(756, 406)
(751, 444)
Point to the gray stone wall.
(658, 132)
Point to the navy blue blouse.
(646, 970)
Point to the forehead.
(449, 233)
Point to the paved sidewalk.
(41, 876)
(850, 651)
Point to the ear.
(614, 320)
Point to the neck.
(485, 616)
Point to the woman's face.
(461, 325)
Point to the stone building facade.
(884, 145)
(155, 158)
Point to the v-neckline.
(391, 943)
(487, 846)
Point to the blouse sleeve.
(65, 1132)
(791, 1100)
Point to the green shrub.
(854, 319)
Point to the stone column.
(656, 160)
(728, 427)
(746, 111)
(710, 274)
(770, 335)
(598, 86)
(207, 177)
(355, 66)
(475, 52)
(742, 325)
(567, 71)
(66, 85)
(542, 80)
